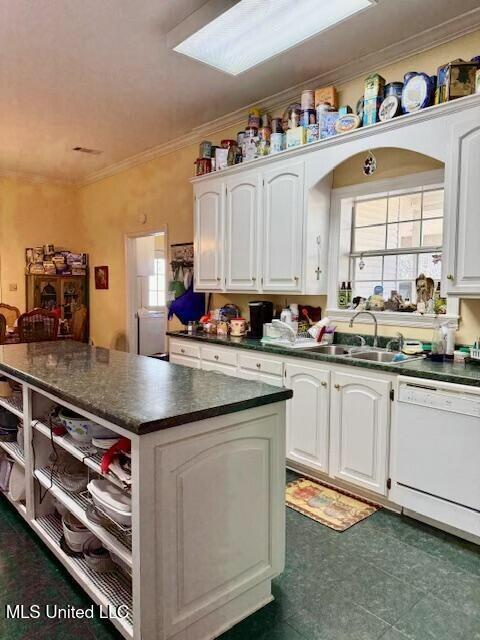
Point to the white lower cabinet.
(338, 421)
(359, 428)
(308, 415)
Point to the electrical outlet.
(12, 286)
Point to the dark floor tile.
(431, 619)
(66, 630)
(256, 625)
(282, 631)
(379, 593)
(336, 618)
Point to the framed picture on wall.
(101, 277)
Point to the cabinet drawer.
(222, 356)
(252, 363)
(182, 348)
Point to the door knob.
(258, 365)
(182, 350)
(450, 276)
(337, 386)
(324, 384)
(216, 357)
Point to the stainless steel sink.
(381, 357)
(331, 350)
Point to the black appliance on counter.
(261, 312)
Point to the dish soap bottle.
(438, 343)
(342, 296)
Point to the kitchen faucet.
(375, 335)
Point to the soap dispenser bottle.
(438, 343)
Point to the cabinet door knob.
(182, 350)
(253, 279)
(258, 365)
(218, 279)
(337, 386)
(450, 276)
(296, 278)
(216, 357)
(324, 384)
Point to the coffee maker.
(261, 312)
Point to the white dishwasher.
(436, 452)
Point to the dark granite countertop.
(137, 393)
(468, 374)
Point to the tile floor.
(387, 577)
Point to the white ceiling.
(98, 74)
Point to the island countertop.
(137, 393)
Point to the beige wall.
(31, 215)
(160, 189)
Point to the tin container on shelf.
(409, 75)
(477, 81)
(264, 133)
(226, 144)
(328, 95)
(371, 107)
(374, 87)
(203, 166)
(240, 138)
(312, 133)
(232, 154)
(277, 142)
(296, 137)
(394, 89)
(254, 117)
(417, 93)
(390, 108)
(205, 150)
(251, 132)
(326, 125)
(277, 125)
(263, 147)
(221, 158)
(347, 122)
(309, 116)
(455, 80)
(266, 120)
(292, 116)
(307, 99)
(344, 110)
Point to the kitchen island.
(207, 460)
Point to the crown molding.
(428, 39)
(34, 178)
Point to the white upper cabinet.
(462, 186)
(283, 227)
(242, 224)
(360, 424)
(308, 416)
(208, 239)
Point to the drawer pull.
(182, 350)
(450, 276)
(337, 386)
(216, 357)
(324, 384)
(258, 365)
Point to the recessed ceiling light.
(93, 152)
(253, 31)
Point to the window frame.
(341, 233)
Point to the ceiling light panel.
(253, 31)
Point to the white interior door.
(359, 424)
(308, 416)
(242, 222)
(283, 228)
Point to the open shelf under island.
(208, 468)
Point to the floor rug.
(334, 508)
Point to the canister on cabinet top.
(240, 138)
(251, 132)
(226, 144)
(277, 125)
(203, 166)
(394, 89)
(277, 142)
(309, 116)
(477, 81)
(312, 133)
(254, 117)
(205, 150)
(374, 86)
(264, 133)
(308, 99)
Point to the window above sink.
(385, 233)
